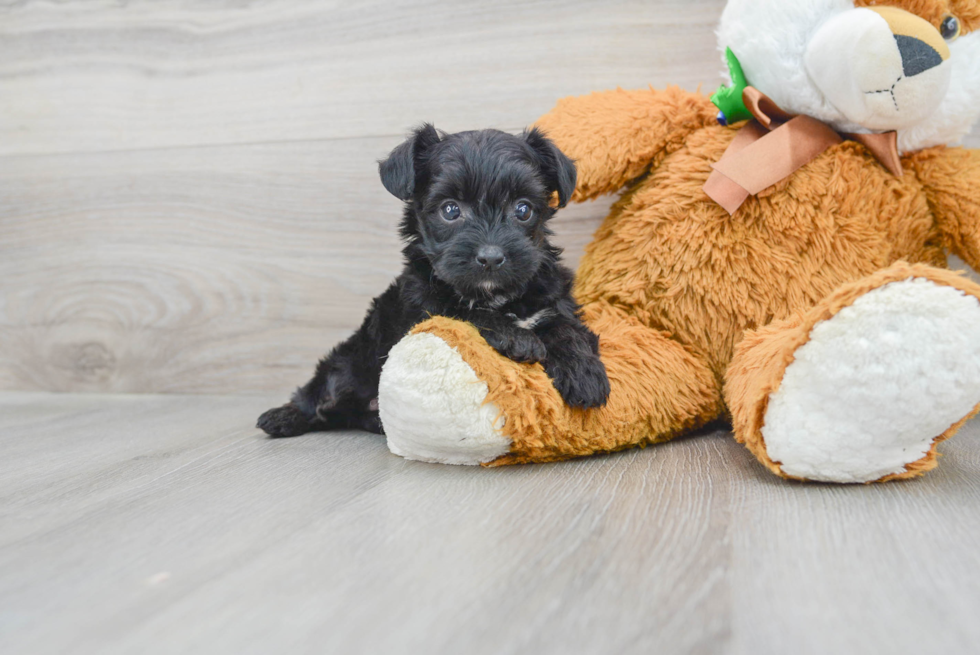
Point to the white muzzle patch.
(877, 78)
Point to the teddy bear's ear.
(558, 170)
(398, 171)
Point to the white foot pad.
(432, 408)
(877, 383)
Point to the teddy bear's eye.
(950, 27)
(450, 210)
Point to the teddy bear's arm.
(951, 177)
(616, 136)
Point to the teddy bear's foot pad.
(433, 405)
(877, 383)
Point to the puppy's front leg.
(573, 363)
(511, 341)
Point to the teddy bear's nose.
(917, 55)
(490, 257)
(921, 45)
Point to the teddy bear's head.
(864, 65)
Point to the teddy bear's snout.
(882, 68)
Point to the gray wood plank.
(120, 76)
(167, 525)
(219, 269)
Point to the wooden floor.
(189, 192)
(166, 524)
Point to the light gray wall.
(188, 190)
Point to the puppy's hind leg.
(316, 406)
(329, 401)
(343, 393)
(369, 421)
(286, 421)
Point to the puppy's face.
(478, 203)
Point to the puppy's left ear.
(558, 170)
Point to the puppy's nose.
(490, 257)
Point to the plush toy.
(785, 272)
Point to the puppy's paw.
(582, 382)
(518, 345)
(369, 422)
(285, 421)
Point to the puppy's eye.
(450, 211)
(523, 211)
(950, 27)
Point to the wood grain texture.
(165, 524)
(207, 270)
(188, 191)
(107, 76)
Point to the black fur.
(485, 266)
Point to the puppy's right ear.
(399, 170)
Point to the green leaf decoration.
(729, 99)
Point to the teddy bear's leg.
(446, 396)
(861, 387)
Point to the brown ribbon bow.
(777, 143)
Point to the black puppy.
(476, 207)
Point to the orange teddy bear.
(785, 273)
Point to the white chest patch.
(534, 319)
(877, 383)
